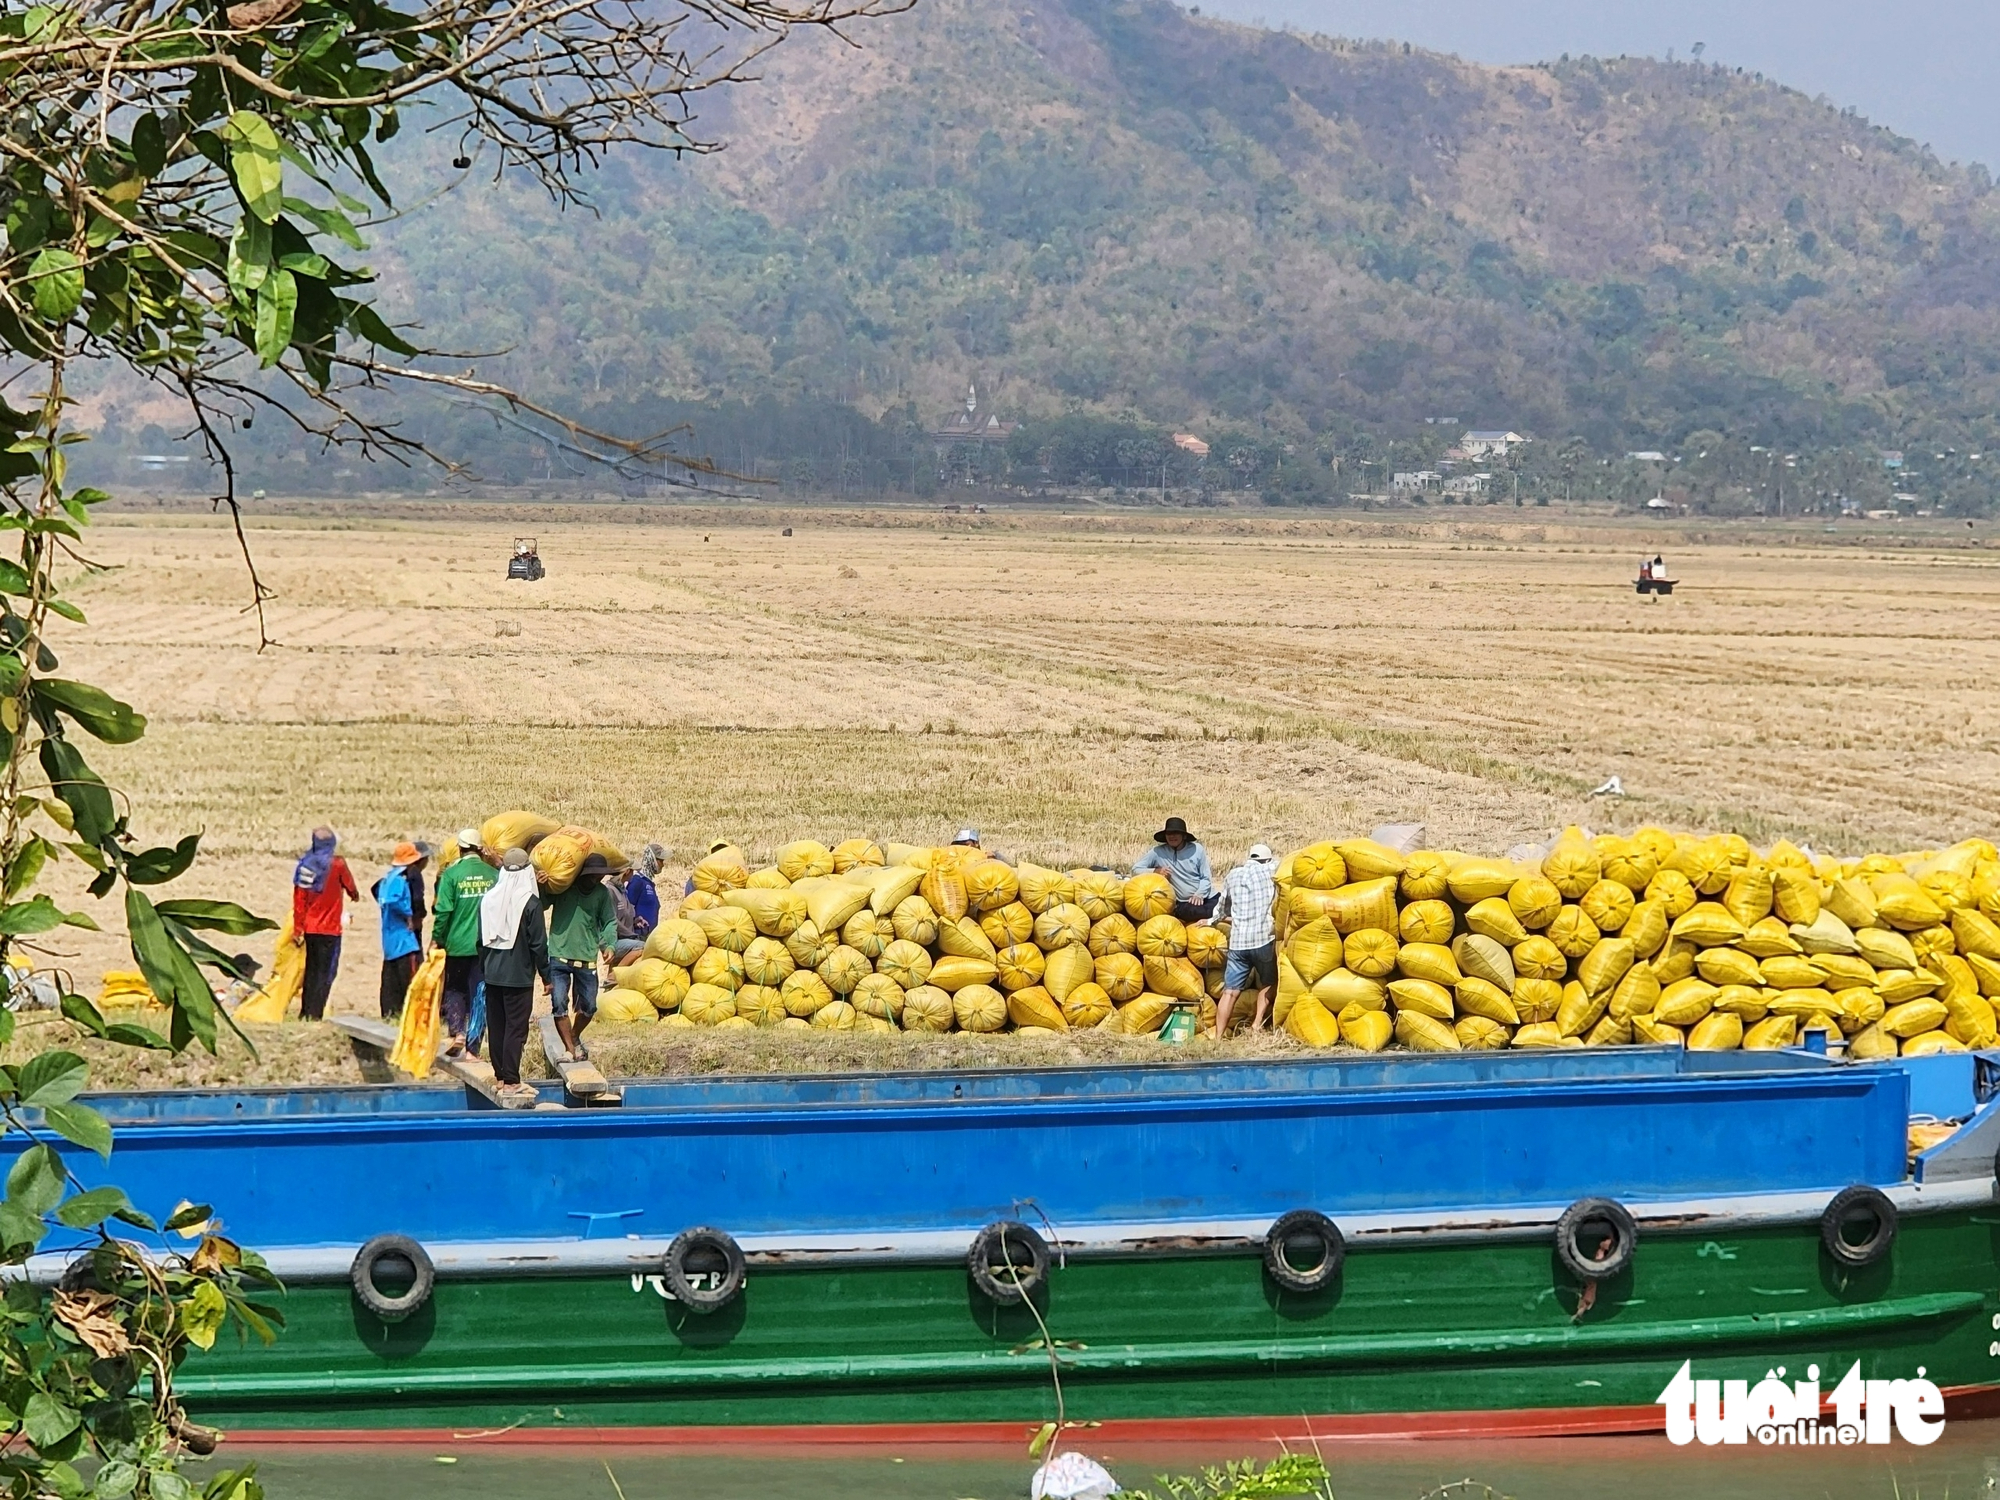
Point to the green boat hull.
(1447, 1334)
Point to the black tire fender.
(368, 1260)
(1008, 1261)
(714, 1258)
(1304, 1229)
(1595, 1238)
(1858, 1205)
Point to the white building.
(1490, 444)
(1468, 484)
(1416, 479)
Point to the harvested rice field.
(1061, 681)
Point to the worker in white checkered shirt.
(1248, 896)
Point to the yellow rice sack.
(722, 870)
(875, 995)
(867, 934)
(729, 928)
(676, 941)
(1121, 975)
(1871, 1043)
(1537, 1000)
(833, 901)
(1769, 937)
(1610, 1031)
(1746, 1004)
(1674, 891)
(1148, 895)
(851, 854)
(1685, 1002)
(1727, 966)
(1914, 1017)
(1608, 904)
(890, 887)
(1749, 894)
(963, 938)
(1605, 964)
(1145, 1015)
(1367, 903)
(1368, 860)
(1771, 1034)
(927, 1008)
(766, 961)
(977, 1007)
(1885, 949)
(1319, 867)
(760, 1005)
(804, 859)
(1098, 892)
(1795, 896)
(1034, 1006)
(1423, 997)
(1705, 864)
(1043, 888)
(1580, 1010)
(1478, 1034)
(706, 1004)
(1899, 985)
(1632, 867)
(1426, 922)
(1826, 933)
(1343, 989)
(1573, 933)
(1851, 899)
(1065, 969)
(1786, 972)
(809, 946)
(1426, 876)
(1931, 1042)
(1309, 1021)
(1065, 924)
(1019, 966)
(1542, 1034)
(952, 974)
(1572, 866)
(1476, 997)
(1473, 880)
(1534, 901)
(1422, 1033)
(1316, 949)
(914, 921)
(1371, 953)
(1175, 978)
(774, 913)
(1637, 993)
(990, 885)
(1208, 947)
(1904, 904)
(772, 879)
(804, 993)
(1975, 932)
(838, 1015)
(1483, 958)
(1369, 1030)
(1657, 1033)
(622, 1004)
(1086, 1006)
(1113, 934)
(515, 830)
(1162, 937)
(1538, 958)
(943, 886)
(1494, 918)
(1432, 961)
(842, 969)
(1717, 1032)
(906, 963)
(1709, 925)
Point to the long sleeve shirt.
(520, 966)
(456, 924)
(645, 899)
(321, 913)
(583, 923)
(400, 922)
(1186, 867)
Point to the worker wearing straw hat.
(1178, 855)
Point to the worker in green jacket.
(455, 928)
(583, 931)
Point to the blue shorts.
(1251, 968)
(578, 981)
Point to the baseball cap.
(468, 839)
(1262, 853)
(967, 836)
(514, 859)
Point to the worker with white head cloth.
(513, 953)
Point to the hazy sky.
(1929, 69)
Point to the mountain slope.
(1120, 206)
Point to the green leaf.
(57, 278)
(202, 1315)
(217, 916)
(19, 1228)
(170, 972)
(88, 1210)
(256, 163)
(67, 610)
(85, 1014)
(27, 866)
(51, 1078)
(189, 1214)
(36, 1180)
(277, 306)
(113, 722)
(26, 918)
(130, 1034)
(48, 1421)
(80, 787)
(158, 866)
(149, 145)
(80, 1125)
(249, 256)
(368, 323)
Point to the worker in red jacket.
(320, 883)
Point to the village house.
(1490, 444)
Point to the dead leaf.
(261, 13)
(90, 1316)
(215, 1254)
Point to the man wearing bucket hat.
(1249, 894)
(1178, 855)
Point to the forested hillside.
(1124, 207)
